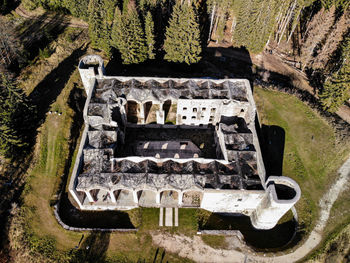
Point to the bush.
(45, 53)
(203, 217)
(30, 4)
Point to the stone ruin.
(161, 142)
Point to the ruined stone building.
(161, 142)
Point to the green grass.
(46, 175)
(339, 219)
(218, 242)
(150, 219)
(188, 224)
(311, 153)
(311, 162)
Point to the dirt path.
(195, 249)
(69, 21)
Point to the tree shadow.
(216, 63)
(93, 248)
(36, 34)
(158, 257)
(106, 219)
(47, 91)
(8, 6)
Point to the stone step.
(161, 216)
(168, 216)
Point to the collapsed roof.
(102, 170)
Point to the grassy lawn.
(45, 178)
(52, 152)
(215, 241)
(311, 157)
(311, 152)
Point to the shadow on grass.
(37, 34)
(277, 238)
(158, 257)
(272, 146)
(107, 219)
(93, 248)
(47, 91)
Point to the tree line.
(15, 111)
(312, 33)
(137, 29)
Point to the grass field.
(311, 157)
(311, 153)
(215, 241)
(42, 186)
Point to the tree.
(255, 23)
(337, 88)
(99, 26)
(149, 32)
(128, 35)
(78, 8)
(30, 4)
(337, 3)
(12, 53)
(13, 108)
(117, 29)
(332, 42)
(182, 37)
(318, 29)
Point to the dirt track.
(195, 249)
(69, 21)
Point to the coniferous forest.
(313, 32)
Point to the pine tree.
(318, 29)
(78, 8)
(337, 87)
(337, 3)
(255, 23)
(149, 32)
(128, 35)
(13, 105)
(99, 26)
(109, 6)
(182, 37)
(332, 42)
(117, 29)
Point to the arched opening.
(147, 198)
(100, 197)
(82, 197)
(169, 198)
(166, 109)
(192, 198)
(94, 194)
(147, 109)
(132, 111)
(124, 197)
